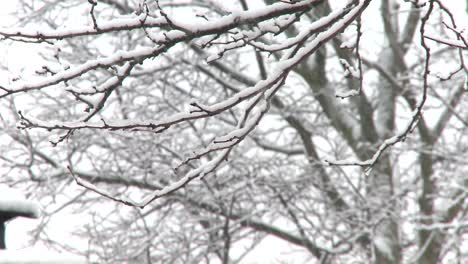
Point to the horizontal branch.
(122, 24)
(223, 24)
(450, 42)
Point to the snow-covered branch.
(257, 96)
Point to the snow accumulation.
(12, 203)
(21, 207)
(384, 245)
(30, 256)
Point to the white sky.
(17, 234)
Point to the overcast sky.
(20, 226)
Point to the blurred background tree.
(337, 128)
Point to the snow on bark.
(128, 23)
(384, 245)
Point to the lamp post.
(11, 208)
